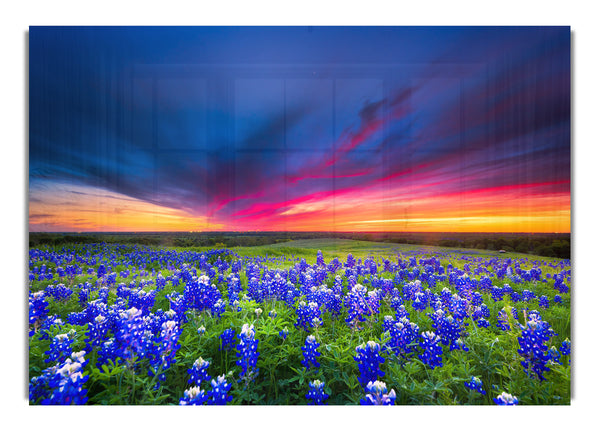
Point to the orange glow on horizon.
(528, 208)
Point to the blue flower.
(248, 353)
(432, 351)
(61, 384)
(308, 316)
(377, 395)
(97, 330)
(218, 393)
(198, 372)
(60, 349)
(316, 395)
(368, 359)
(193, 396)
(402, 335)
(227, 339)
(357, 304)
(448, 329)
(162, 354)
(533, 348)
(320, 260)
(503, 321)
(506, 399)
(310, 352)
(565, 347)
(475, 384)
(38, 310)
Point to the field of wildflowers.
(122, 324)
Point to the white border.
(583, 21)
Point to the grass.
(340, 248)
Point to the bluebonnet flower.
(420, 301)
(475, 384)
(565, 347)
(61, 384)
(161, 282)
(458, 307)
(101, 271)
(544, 302)
(59, 292)
(248, 353)
(482, 323)
(308, 316)
(272, 314)
(130, 334)
(350, 261)
(334, 265)
(163, 355)
(516, 297)
(142, 300)
(446, 296)
(39, 385)
(557, 299)
(111, 279)
(533, 349)
(50, 321)
(199, 294)
(506, 399)
(401, 312)
(227, 339)
(193, 396)
(554, 355)
(310, 353)
(528, 295)
(503, 321)
(218, 393)
(368, 359)
(83, 296)
(108, 352)
(198, 372)
(38, 310)
(60, 349)
(284, 333)
(485, 283)
(559, 283)
(201, 330)
(218, 308)
(477, 299)
(320, 260)
(402, 335)
(448, 329)
(357, 304)
(497, 293)
(480, 314)
(97, 330)
(432, 351)
(377, 395)
(316, 395)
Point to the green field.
(490, 354)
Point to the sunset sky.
(423, 129)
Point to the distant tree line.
(551, 245)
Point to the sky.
(423, 129)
